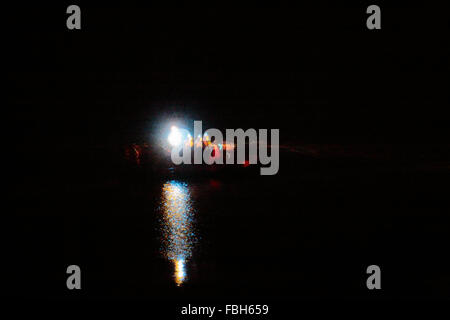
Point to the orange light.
(228, 146)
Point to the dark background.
(363, 119)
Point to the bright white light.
(180, 274)
(174, 136)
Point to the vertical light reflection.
(180, 274)
(177, 226)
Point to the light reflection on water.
(177, 227)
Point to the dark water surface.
(310, 231)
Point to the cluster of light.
(228, 146)
(198, 141)
(190, 140)
(178, 234)
(177, 137)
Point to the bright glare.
(178, 227)
(174, 136)
(180, 274)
